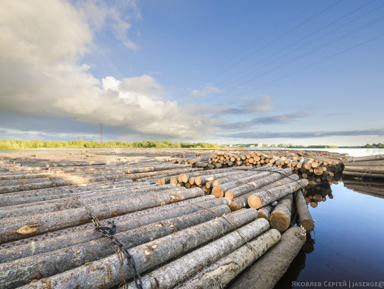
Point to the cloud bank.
(41, 74)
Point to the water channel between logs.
(347, 243)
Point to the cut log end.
(254, 202)
(308, 225)
(217, 192)
(279, 221)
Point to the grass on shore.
(36, 144)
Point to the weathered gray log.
(372, 163)
(61, 260)
(131, 221)
(267, 271)
(162, 167)
(305, 218)
(110, 271)
(219, 191)
(183, 268)
(242, 201)
(266, 197)
(58, 181)
(92, 199)
(365, 158)
(363, 174)
(280, 218)
(251, 186)
(365, 169)
(219, 274)
(201, 180)
(265, 212)
(18, 228)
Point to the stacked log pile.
(176, 236)
(314, 165)
(368, 167)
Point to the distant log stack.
(316, 165)
(369, 167)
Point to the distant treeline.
(375, 145)
(35, 144)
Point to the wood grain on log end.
(279, 221)
(217, 192)
(254, 202)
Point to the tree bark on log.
(92, 199)
(280, 218)
(110, 271)
(242, 201)
(266, 197)
(38, 224)
(219, 191)
(181, 269)
(364, 169)
(219, 274)
(305, 218)
(65, 259)
(88, 233)
(251, 186)
(267, 271)
(365, 158)
(265, 212)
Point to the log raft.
(178, 234)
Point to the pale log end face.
(229, 194)
(254, 202)
(279, 221)
(217, 192)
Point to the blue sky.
(299, 72)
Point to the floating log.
(365, 175)
(67, 258)
(219, 274)
(365, 158)
(179, 270)
(267, 271)
(219, 191)
(251, 186)
(305, 218)
(242, 201)
(63, 219)
(265, 197)
(69, 237)
(110, 271)
(280, 218)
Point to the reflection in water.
(315, 193)
(368, 187)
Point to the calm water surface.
(348, 241)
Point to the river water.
(347, 245)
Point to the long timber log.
(267, 271)
(219, 274)
(266, 197)
(67, 258)
(219, 191)
(246, 188)
(18, 228)
(111, 271)
(305, 218)
(66, 238)
(242, 201)
(94, 199)
(181, 269)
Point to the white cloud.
(41, 45)
(205, 91)
(101, 15)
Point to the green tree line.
(36, 144)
